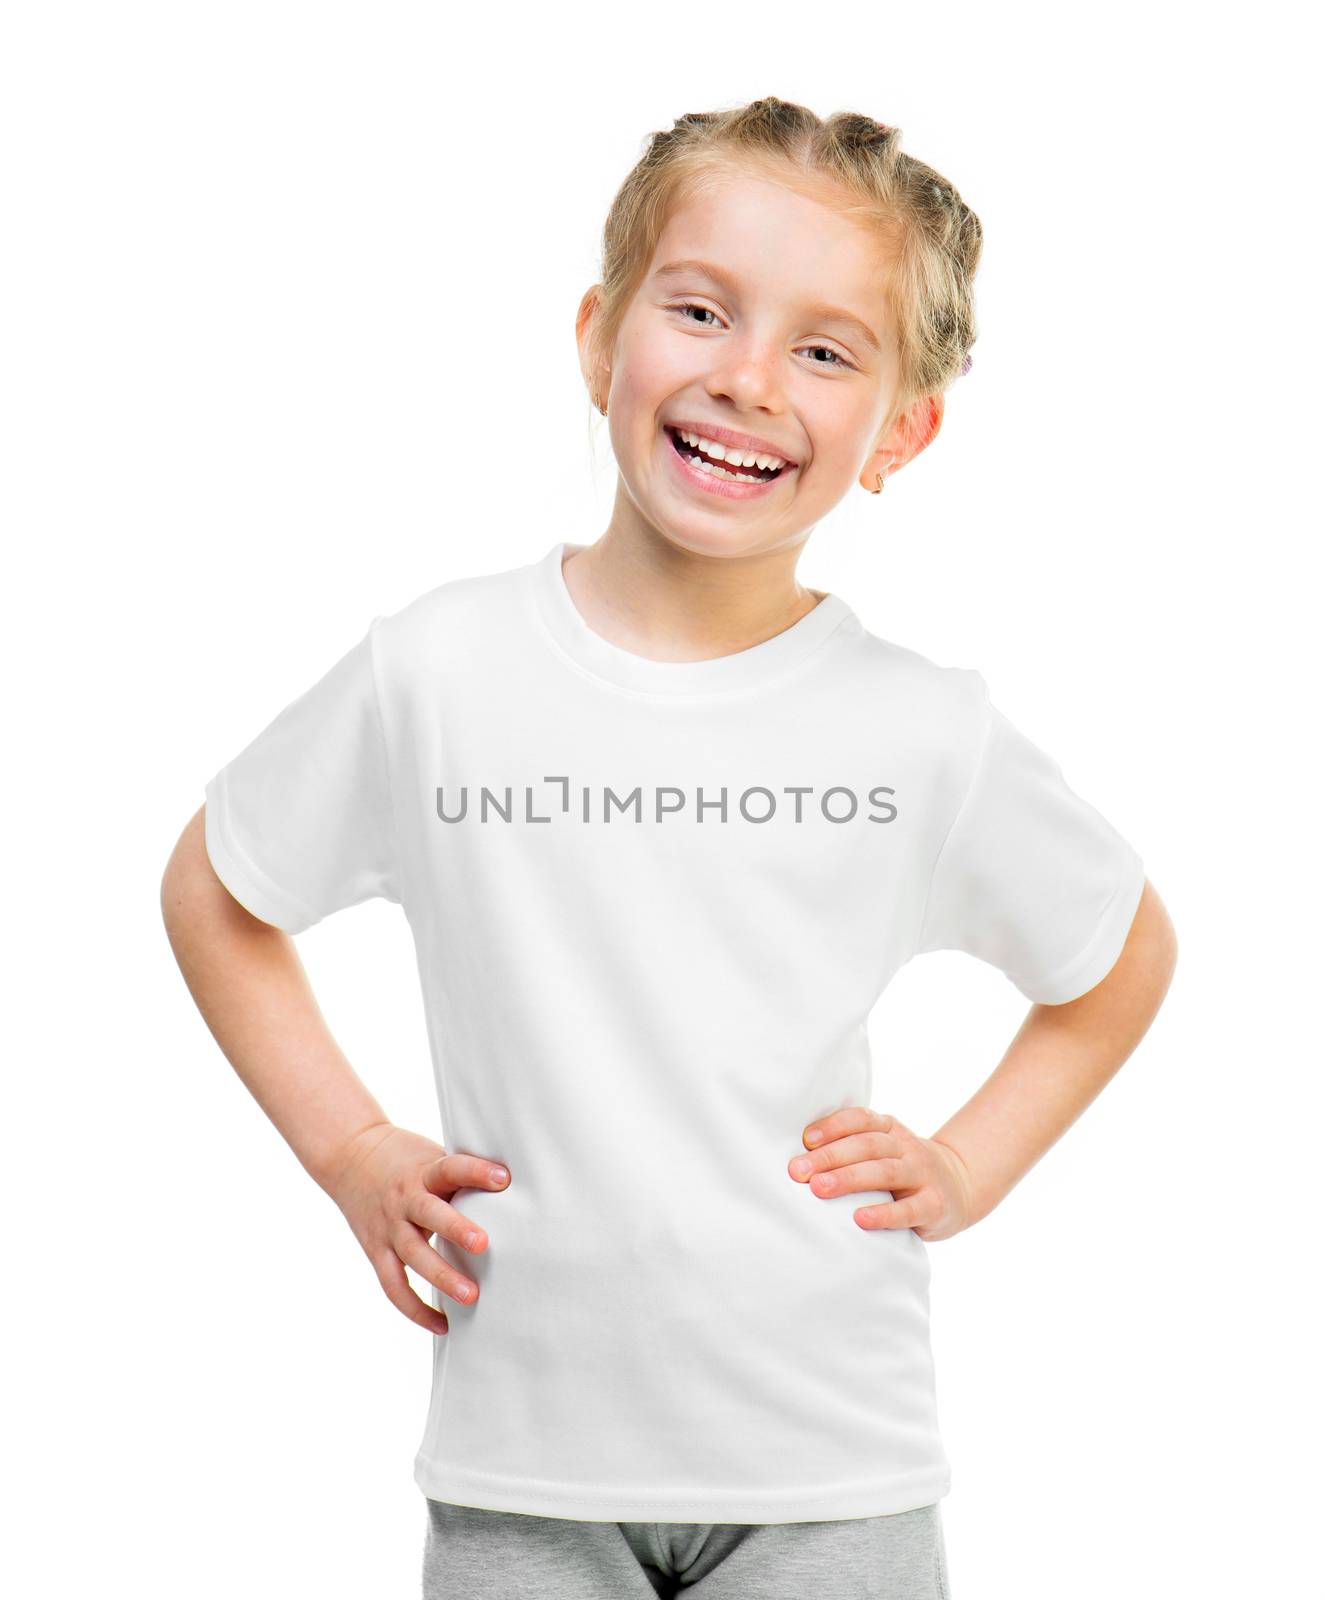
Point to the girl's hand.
(394, 1187)
(861, 1149)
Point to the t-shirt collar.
(761, 663)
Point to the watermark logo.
(838, 803)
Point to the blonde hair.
(930, 236)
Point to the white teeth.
(717, 472)
(737, 458)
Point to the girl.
(664, 823)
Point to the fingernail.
(800, 1166)
(814, 1136)
(500, 1174)
(471, 1241)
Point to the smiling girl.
(682, 1328)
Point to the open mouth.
(693, 455)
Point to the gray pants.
(473, 1554)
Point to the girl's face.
(763, 313)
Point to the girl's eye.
(693, 305)
(837, 361)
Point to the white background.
(288, 339)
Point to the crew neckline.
(760, 663)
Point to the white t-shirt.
(654, 904)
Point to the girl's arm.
(1059, 1061)
(1061, 1058)
(394, 1186)
(250, 985)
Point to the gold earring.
(878, 484)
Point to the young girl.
(664, 823)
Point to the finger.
(852, 1119)
(458, 1169)
(904, 1213)
(890, 1173)
(439, 1216)
(414, 1250)
(834, 1125)
(391, 1275)
(853, 1147)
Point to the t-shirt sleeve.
(299, 824)
(1031, 878)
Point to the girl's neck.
(666, 604)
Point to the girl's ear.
(907, 437)
(921, 424)
(590, 365)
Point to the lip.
(725, 488)
(738, 441)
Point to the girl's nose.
(749, 378)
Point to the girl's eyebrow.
(819, 311)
